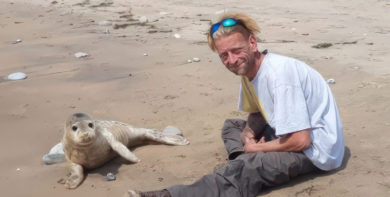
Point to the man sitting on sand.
(293, 126)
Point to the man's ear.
(253, 42)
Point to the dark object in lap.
(268, 133)
(260, 127)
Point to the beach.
(140, 70)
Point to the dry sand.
(117, 82)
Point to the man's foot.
(158, 193)
(133, 193)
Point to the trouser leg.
(231, 131)
(247, 174)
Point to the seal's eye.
(74, 128)
(90, 125)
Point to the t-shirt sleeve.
(290, 110)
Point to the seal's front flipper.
(76, 176)
(119, 148)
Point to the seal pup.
(90, 143)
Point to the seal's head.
(80, 129)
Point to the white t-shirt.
(293, 96)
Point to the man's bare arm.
(294, 142)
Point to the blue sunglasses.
(228, 22)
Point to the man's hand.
(247, 136)
(252, 147)
(294, 142)
(262, 140)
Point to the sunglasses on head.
(227, 22)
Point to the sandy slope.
(118, 82)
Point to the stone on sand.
(171, 130)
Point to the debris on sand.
(353, 42)
(327, 44)
(143, 19)
(110, 177)
(331, 81)
(121, 25)
(101, 3)
(80, 54)
(105, 23)
(17, 41)
(221, 11)
(322, 45)
(355, 67)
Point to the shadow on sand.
(310, 176)
(113, 165)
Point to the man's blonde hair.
(246, 26)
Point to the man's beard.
(240, 69)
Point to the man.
(293, 125)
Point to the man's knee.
(233, 125)
(280, 167)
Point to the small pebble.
(80, 54)
(145, 54)
(220, 11)
(189, 61)
(177, 35)
(356, 67)
(105, 23)
(196, 59)
(17, 76)
(110, 177)
(18, 169)
(17, 41)
(143, 19)
(331, 81)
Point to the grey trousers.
(245, 175)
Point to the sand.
(138, 73)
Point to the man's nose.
(232, 59)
